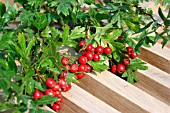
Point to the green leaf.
(30, 85)
(130, 75)
(2, 9)
(71, 78)
(98, 66)
(47, 99)
(55, 70)
(46, 33)
(64, 8)
(22, 41)
(6, 106)
(77, 32)
(132, 26)
(136, 64)
(65, 34)
(39, 110)
(30, 46)
(5, 38)
(41, 21)
(114, 35)
(11, 63)
(161, 14)
(144, 28)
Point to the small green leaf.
(46, 33)
(64, 8)
(65, 34)
(2, 9)
(6, 106)
(39, 110)
(55, 70)
(47, 99)
(161, 14)
(30, 85)
(77, 32)
(22, 41)
(98, 66)
(114, 35)
(71, 78)
(30, 46)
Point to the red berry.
(56, 107)
(56, 88)
(129, 50)
(127, 55)
(89, 47)
(89, 55)
(96, 57)
(68, 87)
(64, 74)
(65, 61)
(99, 50)
(50, 82)
(114, 69)
(92, 49)
(59, 100)
(134, 55)
(82, 60)
(80, 75)
(58, 94)
(126, 61)
(88, 68)
(120, 37)
(50, 92)
(84, 52)
(62, 83)
(120, 68)
(37, 94)
(107, 50)
(73, 68)
(81, 68)
(82, 43)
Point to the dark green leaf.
(5, 38)
(98, 66)
(64, 8)
(144, 28)
(6, 106)
(2, 9)
(65, 34)
(39, 110)
(161, 14)
(47, 99)
(30, 46)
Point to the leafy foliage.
(29, 50)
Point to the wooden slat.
(87, 101)
(157, 56)
(132, 93)
(155, 82)
(69, 107)
(109, 96)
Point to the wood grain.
(88, 102)
(157, 56)
(109, 96)
(132, 93)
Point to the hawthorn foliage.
(31, 37)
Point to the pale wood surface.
(87, 101)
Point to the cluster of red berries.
(120, 68)
(54, 89)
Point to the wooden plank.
(109, 96)
(132, 93)
(157, 56)
(155, 82)
(69, 107)
(88, 102)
